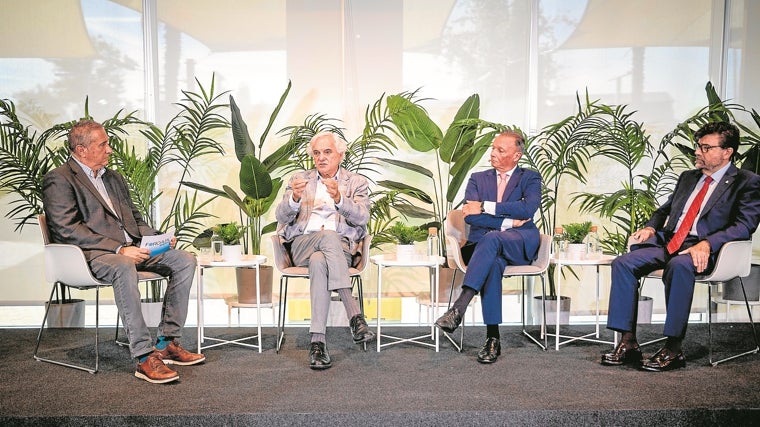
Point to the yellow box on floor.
(299, 309)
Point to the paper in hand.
(157, 244)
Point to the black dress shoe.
(622, 354)
(490, 351)
(450, 320)
(319, 358)
(360, 330)
(664, 360)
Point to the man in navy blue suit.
(711, 205)
(500, 204)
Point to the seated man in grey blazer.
(323, 215)
(88, 205)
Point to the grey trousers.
(121, 272)
(326, 254)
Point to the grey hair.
(340, 143)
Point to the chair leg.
(357, 280)
(91, 370)
(709, 328)
(281, 311)
(523, 315)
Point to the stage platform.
(401, 385)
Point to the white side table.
(248, 261)
(389, 260)
(596, 262)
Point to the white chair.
(284, 265)
(66, 265)
(456, 232)
(537, 268)
(456, 237)
(734, 261)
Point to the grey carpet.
(402, 385)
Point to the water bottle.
(558, 242)
(216, 246)
(433, 243)
(593, 247)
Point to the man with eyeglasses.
(323, 215)
(711, 205)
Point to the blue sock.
(143, 358)
(162, 342)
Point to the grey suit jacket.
(77, 214)
(353, 214)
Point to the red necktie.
(502, 186)
(675, 243)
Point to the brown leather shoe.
(174, 354)
(622, 354)
(154, 371)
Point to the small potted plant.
(405, 236)
(231, 233)
(575, 235)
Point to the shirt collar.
(87, 170)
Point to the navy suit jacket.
(520, 200)
(732, 212)
(77, 214)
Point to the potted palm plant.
(259, 190)
(26, 156)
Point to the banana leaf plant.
(453, 154)
(259, 189)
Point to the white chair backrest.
(363, 261)
(65, 263)
(544, 252)
(456, 227)
(281, 256)
(734, 260)
(455, 237)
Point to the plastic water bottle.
(593, 246)
(558, 242)
(433, 243)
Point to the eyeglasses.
(705, 147)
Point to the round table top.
(389, 260)
(604, 259)
(245, 261)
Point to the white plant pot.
(405, 252)
(232, 253)
(575, 251)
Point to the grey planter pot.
(551, 310)
(70, 314)
(644, 314)
(151, 312)
(732, 290)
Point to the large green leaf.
(460, 138)
(413, 124)
(406, 189)
(254, 178)
(243, 142)
(409, 166)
